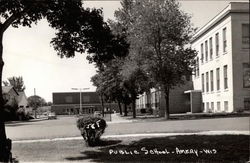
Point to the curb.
(140, 135)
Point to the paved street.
(66, 127)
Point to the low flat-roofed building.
(66, 103)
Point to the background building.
(69, 103)
(154, 100)
(12, 98)
(222, 73)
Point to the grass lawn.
(181, 149)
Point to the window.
(217, 44)
(212, 106)
(211, 47)
(247, 103)
(68, 99)
(224, 39)
(226, 105)
(212, 80)
(197, 67)
(246, 75)
(207, 107)
(202, 53)
(218, 78)
(225, 77)
(202, 81)
(206, 51)
(218, 106)
(86, 98)
(207, 82)
(245, 36)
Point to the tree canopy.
(78, 29)
(159, 33)
(16, 82)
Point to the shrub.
(91, 129)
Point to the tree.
(77, 29)
(108, 83)
(160, 31)
(135, 81)
(16, 82)
(35, 102)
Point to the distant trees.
(16, 82)
(35, 102)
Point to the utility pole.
(80, 89)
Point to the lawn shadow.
(101, 144)
(181, 149)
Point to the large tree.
(16, 82)
(159, 31)
(77, 29)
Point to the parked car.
(52, 115)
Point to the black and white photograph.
(124, 81)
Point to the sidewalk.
(116, 118)
(148, 135)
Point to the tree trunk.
(125, 110)
(166, 92)
(133, 107)
(4, 152)
(119, 105)
(102, 105)
(35, 113)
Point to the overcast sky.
(28, 53)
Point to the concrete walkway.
(116, 118)
(148, 135)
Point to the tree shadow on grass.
(181, 149)
(101, 144)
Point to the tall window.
(218, 78)
(207, 82)
(197, 67)
(226, 105)
(212, 106)
(218, 106)
(224, 39)
(202, 81)
(245, 36)
(206, 51)
(246, 75)
(217, 43)
(202, 53)
(212, 80)
(207, 107)
(211, 47)
(225, 77)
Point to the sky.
(28, 52)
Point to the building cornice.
(218, 18)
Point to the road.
(66, 127)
